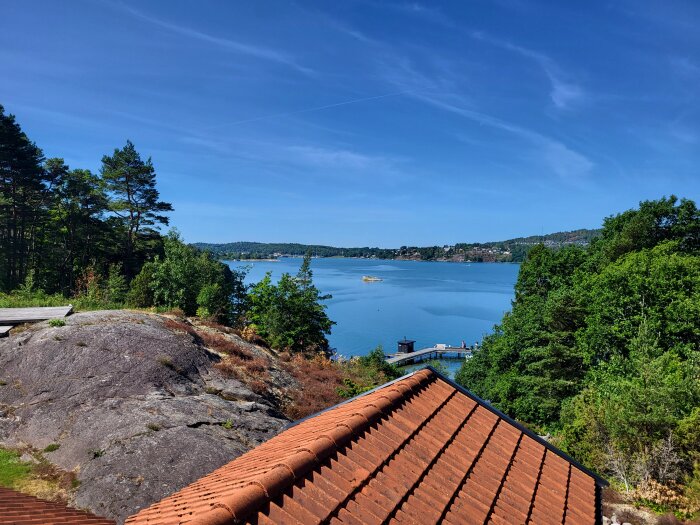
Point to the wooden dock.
(434, 352)
(14, 316)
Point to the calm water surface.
(431, 302)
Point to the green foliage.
(140, 294)
(71, 229)
(375, 364)
(439, 366)
(190, 280)
(135, 202)
(52, 447)
(365, 373)
(57, 323)
(290, 314)
(351, 389)
(116, 286)
(602, 345)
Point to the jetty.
(439, 351)
(10, 317)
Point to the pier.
(434, 352)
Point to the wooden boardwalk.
(5, 330)
(434, 352)
(13, 316)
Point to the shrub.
(141, 291)
(56, 323)
(213, 302)
(116, 286)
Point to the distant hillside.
(511, 250)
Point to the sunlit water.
(431, 302)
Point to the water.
(431, 302)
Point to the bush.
(141, 291)
(116, 286)
(291, 315)
(212, 302)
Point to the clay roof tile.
(417, 450)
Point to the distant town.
(511, 250)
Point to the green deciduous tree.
(603, 345)
(291, 314)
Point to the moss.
(52, 447)
(57, 322)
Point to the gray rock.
(138, 410)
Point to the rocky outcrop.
(135, 408)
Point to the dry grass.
(179, 326)
(319, 380)
(220, 327)
(225, 345)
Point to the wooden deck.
(5, 331)
(434, 352)
(12, 316)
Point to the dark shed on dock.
(406, 346)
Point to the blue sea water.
(430, 302)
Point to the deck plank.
(12, 316)
(5, 331)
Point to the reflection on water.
(430, 302)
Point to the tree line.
(602, 347)
(57, 222)
(95, 238)
(516, 249)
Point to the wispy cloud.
(430, 13)
(563, 92)
(325, 157)
(263, 53)
(565, 162)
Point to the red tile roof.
(20, 509)
(416, 451)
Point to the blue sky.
(368, 122)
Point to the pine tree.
(131, 183)
(23, 200)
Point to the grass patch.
(57, 322)
(52, 447)
(12, 470)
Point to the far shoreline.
(228, 259)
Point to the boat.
(371, 279)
